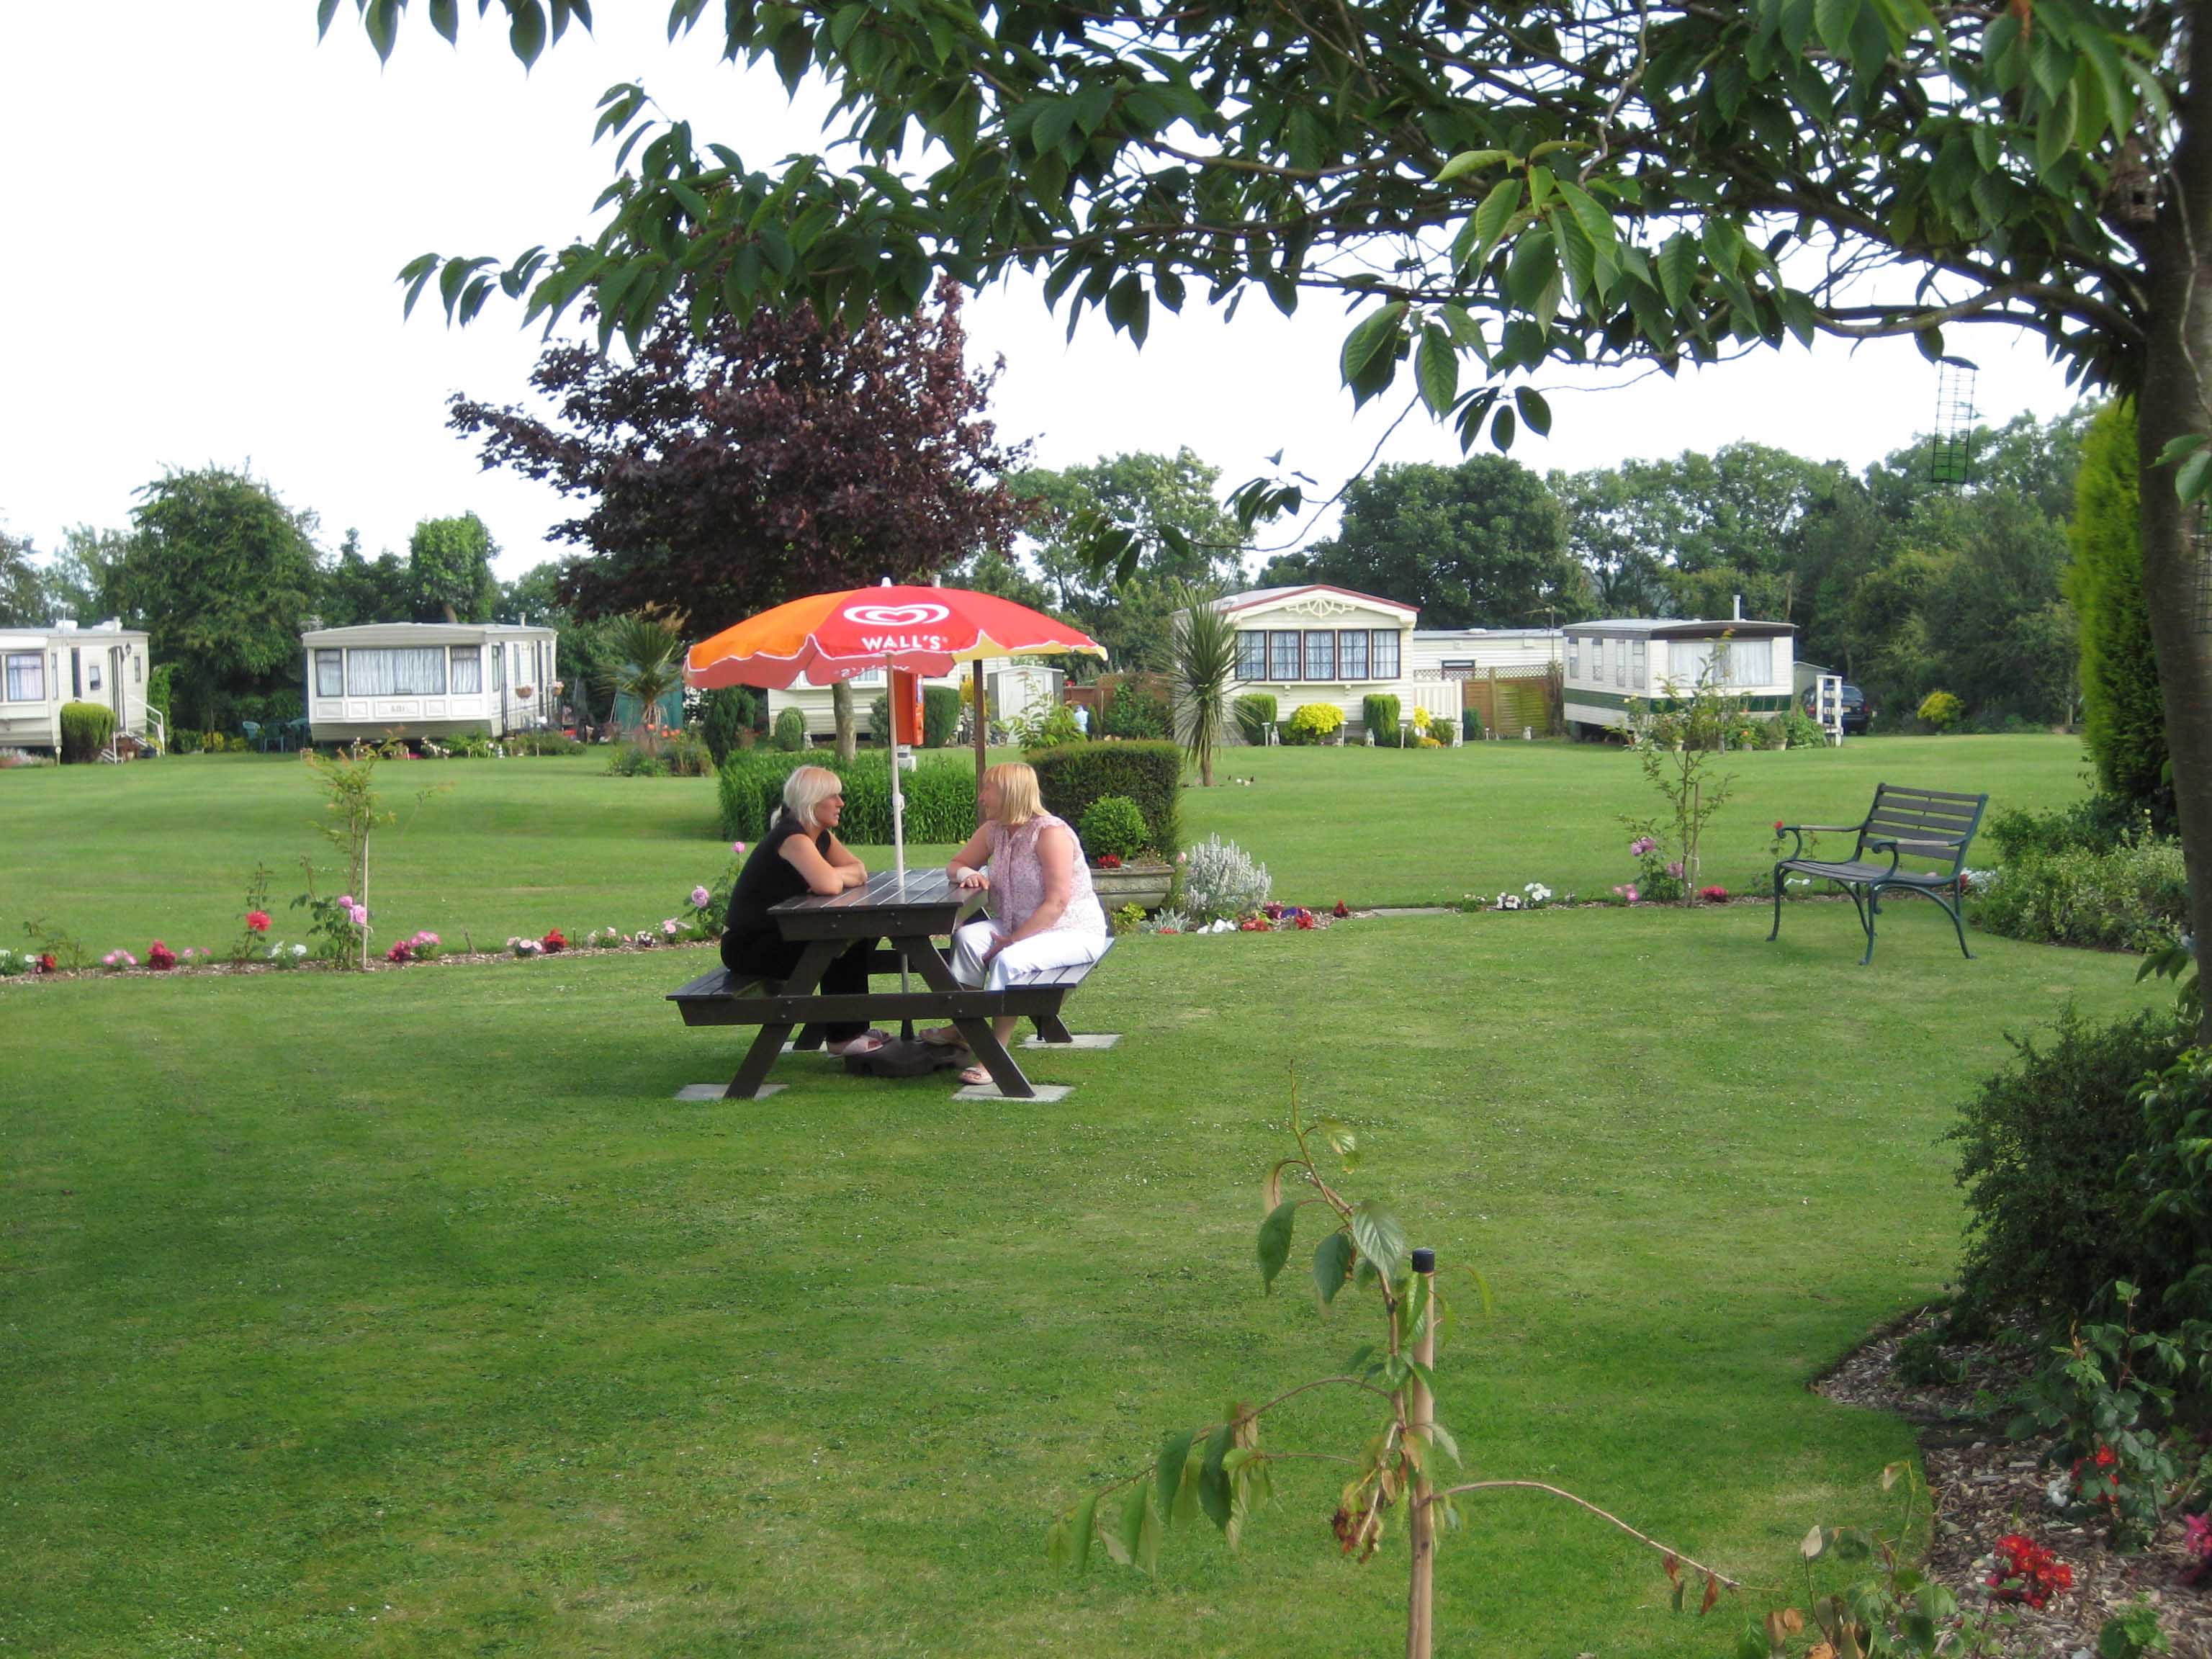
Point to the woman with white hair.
(799, 855)
(1045, 914)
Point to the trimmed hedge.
(791, 731)
(1113, 826)
(940, 796)
(1378, 713)
(1253, 711)
(1074, 778)
(86, 728)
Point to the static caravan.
(1321, 644)
(1608, 663)
(430, 680)
(43, 668)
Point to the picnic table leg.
(767, 1043)
(1052, 1029)
(983, 1042)
(810, 1038)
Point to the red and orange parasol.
(917, 630)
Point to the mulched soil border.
(1985, 1485)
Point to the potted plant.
(1114, 838)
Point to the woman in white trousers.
(1045, 913)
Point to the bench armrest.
(1802, 830)
(1889, 847)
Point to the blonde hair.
(1019, 799)
(805, 790)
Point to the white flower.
(298, 950)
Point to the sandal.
(975, 1077)
(856, 1048)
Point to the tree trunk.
(2178, 317)
(841, 704)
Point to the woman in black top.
(799, 855)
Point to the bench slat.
(1900, 793)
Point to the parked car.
(1858, 713)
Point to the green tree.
(1482, 544)
(221, 575)
(85, 579)
(1205, 666)
(646, 663)
(356, 589)
(2124, 716)
(449, 576)
(1490, 184)
(1149, 493)
(22, 586)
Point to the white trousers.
(1020, 961)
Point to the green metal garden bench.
(1926, 824)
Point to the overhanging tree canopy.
(1586, 179)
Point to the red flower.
(257, 921)
(2025, 1570)
(553, 942)
(1109, 861)
(1778, 826)
(1306, 919)
(47, 964)
(2106, 1457)
(399, 953)
(1339, 913)
(160, 956)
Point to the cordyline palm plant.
(647, 655)
(1205, 666)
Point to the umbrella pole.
(898, 819)
(982, 727)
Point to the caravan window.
(1638, 665)
(330, 673)
(92, 674)
(1746, 662)
(1751, 662)
(466, 674)
(1351, 654)
(1620, 663)
(398, 671)
(1574, 656)
(1597, 660)
(1321, 653)
(1386, 654)
(27, 676)
(1251, 654)
(1282, 656)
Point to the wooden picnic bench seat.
(1929, 824)
(719, 997)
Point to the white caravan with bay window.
(431, 679)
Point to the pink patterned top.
(1017, 880)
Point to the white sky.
(207, 209)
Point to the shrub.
(2044, 1143)
(1941, 710)
(1132, 711)
(2124, 714)
(1378, 713)
(86, 728)
(1222, 882)
(2135, 897)
(541, 743)
(1253, 712)
(940, 714)
(160, 694)
(1312, 722)
(1112, 827)
(1800, 730)
(284, 705)
(687, 756)
(1470, 725)
(791, 731)
(725, 715)
(1149, 773)
(1046, 726)
(2097, 824)
(941, 797)
(628, 761)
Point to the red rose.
(256, 920)
(160, 956)
(553, 942)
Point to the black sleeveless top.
(768, 878)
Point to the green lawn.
(119, 855)
(410, 1314)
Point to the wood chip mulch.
(1986, 1486)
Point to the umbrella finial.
(886, 582)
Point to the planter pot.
(1148, 884)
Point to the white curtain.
(468, 670)
(395, 672)
(330, 673)
(27, 676)
(1750, 662)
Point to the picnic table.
(910, 913)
